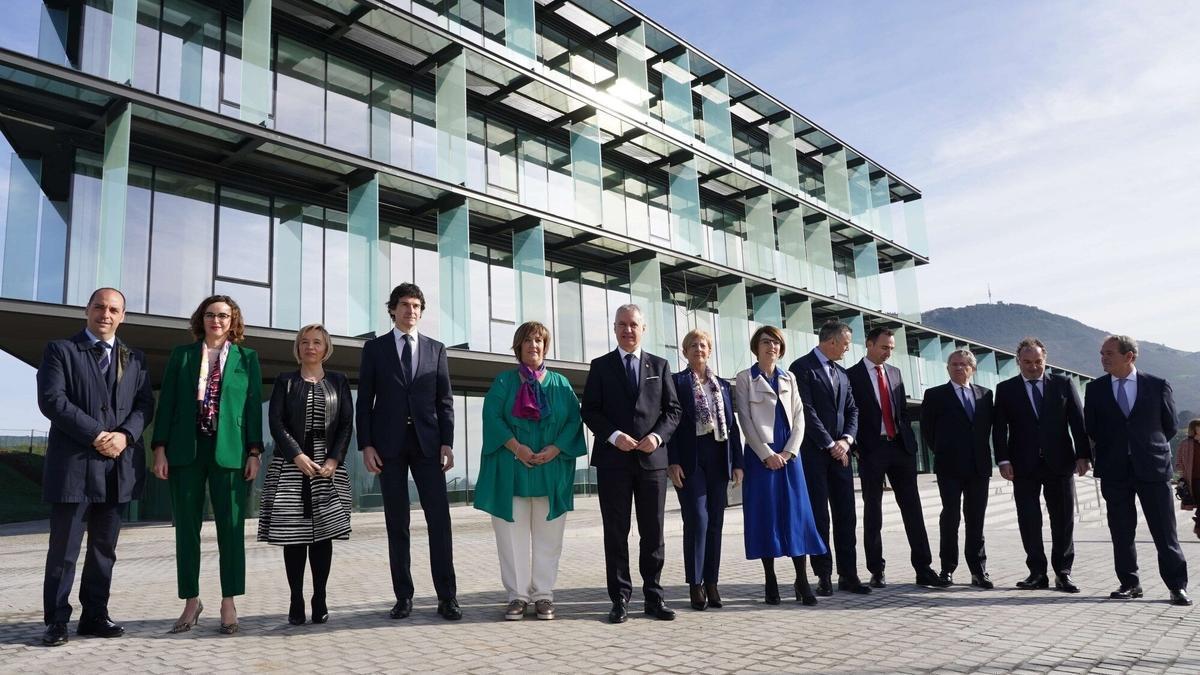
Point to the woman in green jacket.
(532, 435)
(208, 431)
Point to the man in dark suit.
(887, 448)
(629, 403)
(405, 420)
(830, 425)
(1131, 418)
(1039, 438)
(956, 422)
(96, 392)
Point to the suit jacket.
(826, 419)
(961, 448)
(77, 400)
(1058, 434)
(681, 448)
(385, 404)
(1141, 441)
(286, 415)
(870, 414)
(609, 405)
(756, 403)
(239, 415)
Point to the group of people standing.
(786, 435)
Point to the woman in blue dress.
(778, 514)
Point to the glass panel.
(288, 265)
(190, 54)
(858, 342)
(568, 315)
(560, 184)
(798, 321)
(85, 220)
(660, 216)
(145, 63)
(631, 85)
(34, 29)
(732, 328)
(645, 287)
(451, 115)
(529, 263)
(914, 225)
(337, 273)
(637, 215)
(881, 212)
(908, 303)
(479, 336)
(783, 153)
(866, 274)
(534, 175)
(182, 243)
(501, 156)
(585, 171)
(244, 236)
(794, 268)
(454, 250)
(860, 194)
(312, 266)
(768, 309)
(254, 301)
(677, 93)
(368, 259)
(837, 187)
(256, 61)
(476, 152)
(348, 113)
(519, 31)
(300, 90)
(113, 189)
(136, 263)
(820, 254)
(684, 186)
(986, 374)
(123, 40)
(425, 132)
(718, 127)
(760, 236)
(614, 199)
(391, 122)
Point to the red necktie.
(885, 403)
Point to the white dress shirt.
(1130, 387)
(874, 377)
(399, 337)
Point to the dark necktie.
(631, 372)
(833, 377)
(968, 404)
(102, 356)
(406, 360)
(1037, 398)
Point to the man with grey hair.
(629, 403)
(956, 422)
(1039, 437)
(1130, 416)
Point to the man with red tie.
(888, 447)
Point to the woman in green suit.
(532, 435)
(208, 431)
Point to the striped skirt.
(296, 509)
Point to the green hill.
(1070, 344)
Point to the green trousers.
(227, 490)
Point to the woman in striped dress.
(306, 495)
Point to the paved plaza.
(902, 628)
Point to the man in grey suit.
(96, 392)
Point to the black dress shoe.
(1034, 582)
(1064, 583)
(55, 635)
(401, 609)
(771, 592)
(1126, 593)
(947, 577)
(100, 627)
(714, 596)
(1180, 597)
(697, 596)
(982, 581)
(878, 580)
(320, 611)
(804, 593)
(660, 611)
(619, 612)
(929, 579)
(449, 610)
(853, 585)
(296, 613)
(824, 587)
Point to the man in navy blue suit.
(830, 424)
(96, 392)
(1130, 416)
(405, 420)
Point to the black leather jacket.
(286, 415)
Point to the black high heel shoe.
(296, 613)
(804, 593)
(320, 612)
(772, 592)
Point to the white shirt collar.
(637, 353)
(112, 342)
(398, 334)
(1131, 376)
(958, 386)
(821, 355)
(870, 365)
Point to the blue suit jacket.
(681, 448)
(1141, 441)
(826, 419)
(76, 399)
(385, 404)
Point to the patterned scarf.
(208, 390)
(706, 419)
(531, 403)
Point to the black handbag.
(1184, 494)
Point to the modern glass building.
(518, 159)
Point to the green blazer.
(239, 419)
(501, 477)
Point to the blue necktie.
(631, 372)
(1122, 397)
(968, 405)
(1037, 398)
(101, 347)
(406, 360)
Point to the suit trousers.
(702, 501)
(227, 492)
(969, 497)
(1059, 493)
(431, 491)
(529, 577)
(68, 522)
(892, 461)
(1158, 506)
(831, 491)
(618, 490)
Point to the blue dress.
(778, 514)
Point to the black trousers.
(431, 490)
(831, 491)
(702, 501)
(889, 459)
(646, 489)
(1158, 506)
(1059, 491)
(68, 523)
(969, 497)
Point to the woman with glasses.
(208, 436)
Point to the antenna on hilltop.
(989, 294)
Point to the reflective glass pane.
(348, 113)
(244, 236)
(300, 90)
(254, 301)
(391, 122)
(189, 55)
(182, 243)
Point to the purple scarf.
(531, 403)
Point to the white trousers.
(526, 577)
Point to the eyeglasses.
(220, 317)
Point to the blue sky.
(1055, 142)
